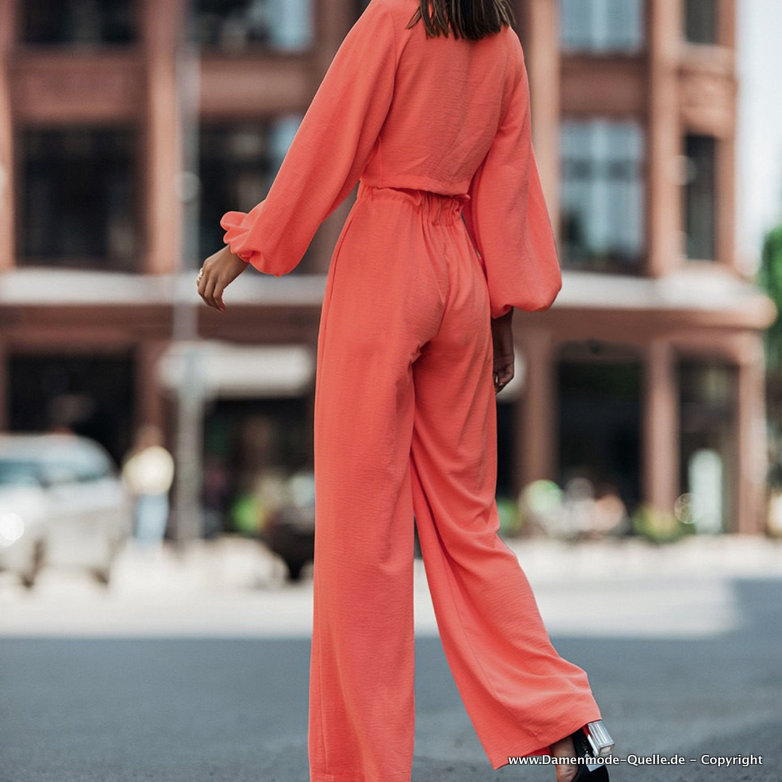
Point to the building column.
(536, 427)
(332, 20)
(7, 35)
(752, 459)
(663, 210)
(539, 22)
(161, 26)
(661, 427)
(726, 154)
(5, 386)
(726, 23)
(150, 404)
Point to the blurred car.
(289, 528)
(62, 503)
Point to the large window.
(79, 197)
(79, 21)
(599, 420)
(602, 209)
(700, 21)
(238, 163)
(601, 26)
(700, 196)
(241, 25)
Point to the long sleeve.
(507, 215)
(329, 150)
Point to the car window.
(92, 465)
(58, 471)
(76, 462)
(17, 472)
(80, 464)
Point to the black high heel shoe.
(591, 742)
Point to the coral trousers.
(405, 433)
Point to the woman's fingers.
(216, 273)
(210, 288)
(217, 296)
(501, 381)
(503, 371)
(201, 281)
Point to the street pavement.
(193, 667)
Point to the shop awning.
(228, 370)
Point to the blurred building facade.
(647, 373)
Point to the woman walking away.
(426, 106)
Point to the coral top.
(396, 109)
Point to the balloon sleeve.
(328, 152)
(507, 216)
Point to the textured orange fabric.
(397, 110)
(449, 228)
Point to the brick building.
(128, 126)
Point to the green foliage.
(510, 517)
(769, 278)
(659, 526)
(245, 514)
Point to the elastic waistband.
(437, 207)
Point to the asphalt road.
(100, 706)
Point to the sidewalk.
(236, 562)
(696, 555)
(235, 586)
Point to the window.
(79, 21)
(700, 196)
(238, 163)
(602, 209)
(75, 462)
(239, 25)
(601, 26)
(19, 472)
(700, 21)
(600, 393)
(79, 200)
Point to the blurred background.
(158, 447)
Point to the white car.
(62, 503)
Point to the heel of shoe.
(599, 738)
(590, 742)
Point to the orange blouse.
(396, 109)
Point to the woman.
(414, 342)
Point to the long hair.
(472, 19)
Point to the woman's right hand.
(218, 271)
(502, 340)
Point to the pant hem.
(355, 776)
(542, 744)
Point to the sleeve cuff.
(500, 311)
(236, 234)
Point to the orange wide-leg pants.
(405, 430)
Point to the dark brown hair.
(467, 18)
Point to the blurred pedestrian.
(147, 473)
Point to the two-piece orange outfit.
(405, 408)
